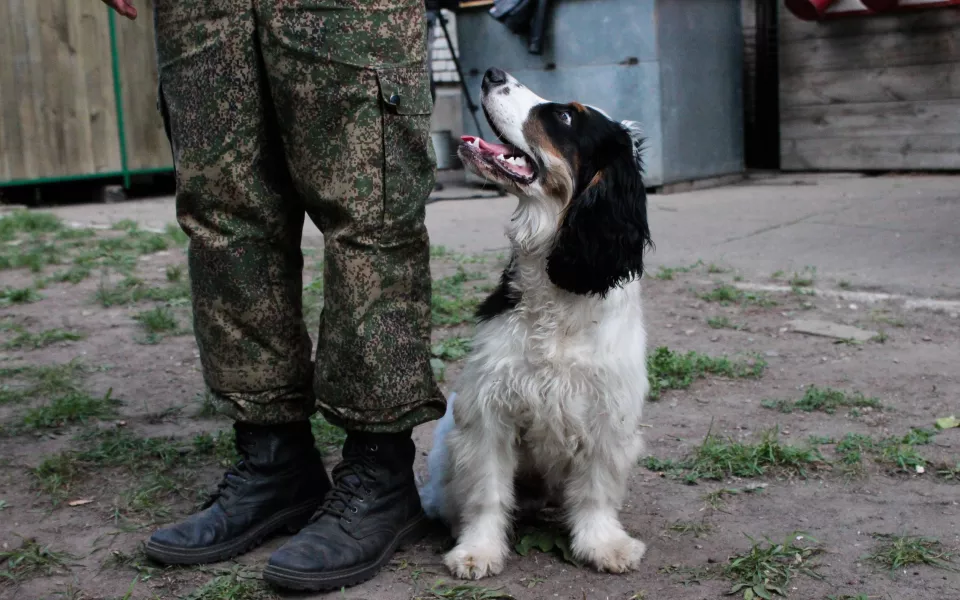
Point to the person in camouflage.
(277, 109)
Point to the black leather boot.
(278, 484)
(372, 510)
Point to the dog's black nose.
(493, 77)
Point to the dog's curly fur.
(553, 389)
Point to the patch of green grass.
(895, 552)
(669, 370)
(124, 225)
(453, 302)
(723, 293)
(313, 301)
(717, 458)
(949, 473)
(804, 278)
(668, 273)
(25, 221)
(694, 528)
(174, 273)
(235, 584)
(439, 369)
(453, 348)
(30, 560)
(156, 322)
(35, 241)
(726, 294)
(131, 290)
(902, 452)
(852, 447)
(158, 467)
(327, 435)
(881, 316)
(766, 569)
(717, 499)
(10, 296)
(19, 384)
(826, 400)
(724, 323)
(665, 273)
(843, 284)
(74, 407)
(34, 253)
(898, 452)
(176, 234)
(220, 445)
(26, 340)
(208, 405)
(548, 539)
(715, 269)
(442, 590)
(136, 561)
(74, 275)
(444, 253)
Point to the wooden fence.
(78, 93)
(879, 92)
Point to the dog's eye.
(565, 117)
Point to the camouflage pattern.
(281, 108)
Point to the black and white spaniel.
(554, 387)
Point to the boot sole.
(412, 533)
(292, 519)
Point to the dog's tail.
(432, 492)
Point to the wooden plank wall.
(57, 108)
(147, 145)
(871, 93)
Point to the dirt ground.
(107, 433)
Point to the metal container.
(675, 66)
(445, 149)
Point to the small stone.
(927, 338)
(853, 307)
(715, 338)
(771, 354)
(689, 331)
(831, 330)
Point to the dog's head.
(578, 174)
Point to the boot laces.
(349, 485)
(235, 476)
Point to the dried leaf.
(948, 422)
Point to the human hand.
(123, 7)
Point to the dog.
(552, 392)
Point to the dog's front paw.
(619, 555)
(474, 561)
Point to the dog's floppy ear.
(604, 232)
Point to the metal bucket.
(445, 149)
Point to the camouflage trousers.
(277, 109)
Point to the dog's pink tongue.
(494, 149)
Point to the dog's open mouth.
(508, 159)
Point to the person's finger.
(129, 10)
(124, 8)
